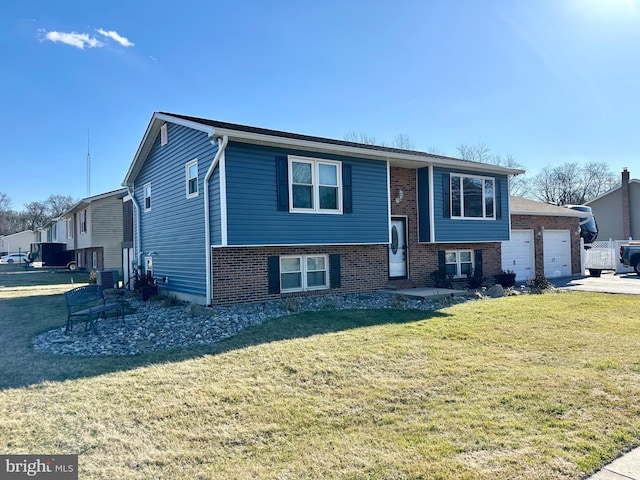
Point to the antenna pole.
(88, 165)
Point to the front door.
(398, 248)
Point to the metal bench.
(90, 302)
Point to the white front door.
(398, 249)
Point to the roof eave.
(407, 160)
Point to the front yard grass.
(524, 387)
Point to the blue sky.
(547, 81)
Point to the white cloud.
(79, 40)
(116, 36)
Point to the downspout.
(136, 232)
(222, 144)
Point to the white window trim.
(303, 266)
(315, 162)
(69, 228)
(144, 196)
(187, 166)
(164, 135)
(458, 262)
(484, 205)
(84, 227)
(94, 260)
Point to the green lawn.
(542, 387)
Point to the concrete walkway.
(426, 292)
(626, 467)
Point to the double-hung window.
(459, 263)
(304, 272)
(147, 197)
(69, 228)
(83, 221)
(315, 186)
(472, 197)
(191, 177)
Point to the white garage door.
(557, 253)
(518, 254)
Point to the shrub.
(441, 279)
(506, 278)
(539, 284)
(475, 281)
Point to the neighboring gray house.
(17, 242)
(95, 231)
(617, 212)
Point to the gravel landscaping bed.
(155, 326)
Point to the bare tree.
(355, 137)
(35, 215)
(403, 141)
(571, 183)
(58, 204)
(480, 152)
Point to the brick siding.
(534, 222)
(240, 274)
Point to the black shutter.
(347, 200)
(334, 271)
(446, 186)
(282, 183)
(498, 198)
(442, 265)
(273, 273)
(477, 272)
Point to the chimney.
(626, 211)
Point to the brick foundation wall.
(240, 274)
(534, 222)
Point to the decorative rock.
(495, 291)
(155, 327)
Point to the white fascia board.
(185, 123)
(409, 160)
(568, 213)
(147, 141)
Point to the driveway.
(609, 282)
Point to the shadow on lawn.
(22, 318)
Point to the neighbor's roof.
(263, 136)
(524, 206)
(87, 200)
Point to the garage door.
(518, 254)
(557, 253)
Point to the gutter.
(222, 145)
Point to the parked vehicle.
(15, 258)
(49, 254)
(588, 225)
(630, 256)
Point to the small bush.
(292, 305)
(475, 281)
(539, 284)
(506, 278)
(441, 280)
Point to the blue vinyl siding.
(215, 207)
(254, 219)
(465, 230)
(174, 227)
